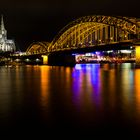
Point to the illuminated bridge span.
(37, 48)
(92, 32)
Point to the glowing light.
(17, 60)
(97, 53)
(88, 54)
(44, 85)
(37, 60)
(45, 59)
(138, 55)
(27, 60)
(78, 66)
(126, 51)
(137, 84)
(74, 54)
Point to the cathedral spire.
(2, 23)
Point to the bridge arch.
(101, 29)
(37, 48)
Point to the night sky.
(40, 20)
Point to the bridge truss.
(37, 48)
(91, 31)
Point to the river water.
(85, 97)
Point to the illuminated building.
(6, 45)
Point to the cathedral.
(6, 45)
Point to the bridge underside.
(67, 57)
(59, 59)
(118, 46)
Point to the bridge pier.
(137, 48)
(45, 59)
(59, 59)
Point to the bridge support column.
(45, 59)
(61, 59)
(106, 34)
(137, 56)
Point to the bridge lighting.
(110, 51)
(45, 59)
(97, 53)
(138, 55)
(37, 60)
(88, 54)
(17, 60)
(74, 54)
(27, 60)
(125, 51)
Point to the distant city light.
(125, 51)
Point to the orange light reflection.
(137, 88)
(44, 85)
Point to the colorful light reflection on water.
(87, 95)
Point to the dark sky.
(40, 20)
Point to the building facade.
(6, 45)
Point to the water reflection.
(107, 88)
(45, 85)
(137, 89)
(85, 95)
(86, 86)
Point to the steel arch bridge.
(37, 48)
(95, 30)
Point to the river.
(85, 97)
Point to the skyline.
(28, 21)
